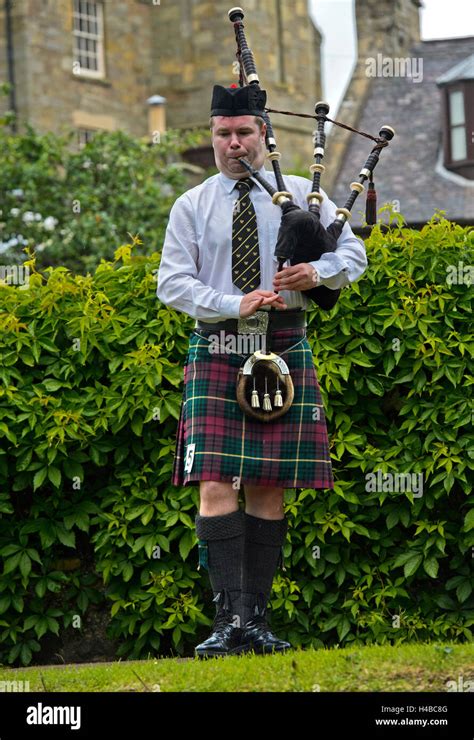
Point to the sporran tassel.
(267, 404)
(278, 400)
(255, 402)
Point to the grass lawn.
(413, 667)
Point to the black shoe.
(225, 636)
(257, 635)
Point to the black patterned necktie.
(245, 249)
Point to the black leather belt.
(287, 319)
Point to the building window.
(84, 135)
(88, 32)
(457, 126)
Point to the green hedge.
(91, 373)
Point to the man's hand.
(251, 302)
(302, 276)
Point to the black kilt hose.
(217, 441)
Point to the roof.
(462, 71)
(410, 169)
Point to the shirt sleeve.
(178, 285)
(348, 262)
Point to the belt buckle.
(255, 324)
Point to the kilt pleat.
(217, 441)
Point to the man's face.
(234, 137)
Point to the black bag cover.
(302, 238)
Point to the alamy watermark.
(43, 714)
(460, 274)
(7, 686)
(241, 344)
(381, 66)
(15, 274)
(379, 482)
(459, 685)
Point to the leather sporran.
(265, 389)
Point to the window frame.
(467, 89)
(98, 73)
(85, 135)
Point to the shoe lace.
(224, 615)
(259, 618)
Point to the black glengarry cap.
(238, 101)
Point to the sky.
(335, 19)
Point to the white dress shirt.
(195, 273)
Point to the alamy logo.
(241, 344)
(394, 483)
(395, 67)
(459, 685)
(46, 715)
(15, 274)
(460, 274)
(6, 686)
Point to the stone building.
(93, 65)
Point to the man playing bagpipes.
(255, 423)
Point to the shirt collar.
(229, 184)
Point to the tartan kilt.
(291, 452)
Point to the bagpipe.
(301, 237)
